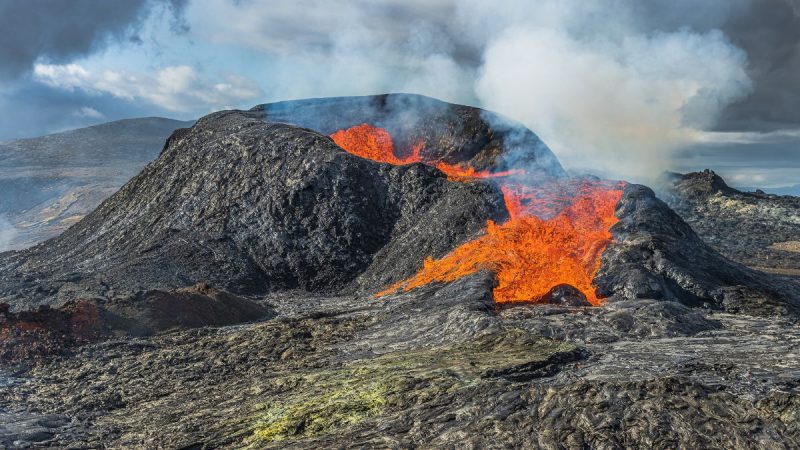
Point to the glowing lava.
(530, 255)
(555, 235)
(458, 172)
(374, 143)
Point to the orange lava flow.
(373, 143)
(457, 172)
(369, 142)
(530, 255)
(555, 235)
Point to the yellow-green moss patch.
(329, 401)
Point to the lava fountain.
(556, 233)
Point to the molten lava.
(530, 255)
(546, 200)
(555, 235)
(458, 172)
(373, 143)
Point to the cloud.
(785, 136)
(770, 34)
(174, 88)
(67, 76)
(312, 48)
(60, 31)
(312, 25)
(614, 86)
(89, 113)
(765, 159)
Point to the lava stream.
(555, 235)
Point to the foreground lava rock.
(438, 366)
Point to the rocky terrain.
(50, 331)
(49, 183)
(659, 256)
(290, 348)
(438, 368)
(754, 228)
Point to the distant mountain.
(783, 190)
(48, 183)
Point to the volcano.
(398, 257)
(385, 193)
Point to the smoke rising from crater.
(613, 87)
(609, 102)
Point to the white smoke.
(613, 86)
(608, 94)
(618, 108)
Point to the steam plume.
(614, 87)
(617, 108)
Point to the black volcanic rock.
(49, 331)
(756, 229)
(437, 367)
(702, 184)
(565, 295)
(656, 255)
(150, 312)
(254, 207)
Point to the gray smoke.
(613, 87)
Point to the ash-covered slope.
(253, 207)
(48, 183)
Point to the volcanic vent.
(376, 195)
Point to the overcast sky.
(619, 87)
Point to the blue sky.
(618, 87)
